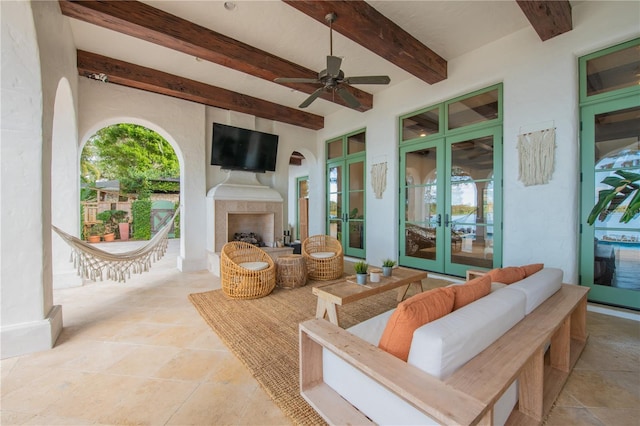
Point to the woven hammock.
(93, 263)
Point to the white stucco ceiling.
(450, 28)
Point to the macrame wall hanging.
(379, 178)
(536, 155)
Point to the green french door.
(610, 249)
(346, 180)
(610, 150)
(451, 205)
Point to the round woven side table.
(291, 271)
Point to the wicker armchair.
(246, 271)
(323, 256)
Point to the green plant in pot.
(361, 271)
(625, 186)
(387, 266)
(96, 231)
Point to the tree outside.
(136, 156)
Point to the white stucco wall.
(540, 86)
(34, 37)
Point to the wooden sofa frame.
(467, 397)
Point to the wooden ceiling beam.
(147, 23)
(138, 77)
(360, 22)
(549, 18)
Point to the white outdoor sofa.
(502, 359)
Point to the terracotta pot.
(124, 231)
(94, 238)
(110, 237)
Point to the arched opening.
(304, 194)
(151, 128)
(64, 184)
(130, 179)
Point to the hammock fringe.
(93, 264)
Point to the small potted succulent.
(361, 271)
(387, 265)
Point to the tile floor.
(139, 353)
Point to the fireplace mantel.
(243, 186)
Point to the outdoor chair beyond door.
(246, 271)
(324, 257)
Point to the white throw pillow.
(254, 266)
(323, 254)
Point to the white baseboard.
(614, 312)
(34, 336)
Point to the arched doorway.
(124, 166)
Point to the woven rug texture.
(263, 334)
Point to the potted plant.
(95, 233)
(387, 265)
(361, 271)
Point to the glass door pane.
(611, 247)
(469, 214)
(334, 202)
(356, 189)
(421, 210)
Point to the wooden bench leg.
(530, 389)
(560, 350)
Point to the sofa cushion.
(507, 275)
(532, 268)
(471, 291)
(442, 346)
(539, 286)
(411, 314)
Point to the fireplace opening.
(252, 226)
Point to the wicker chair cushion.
(254, 266)
(323, 254)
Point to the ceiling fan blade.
(371, 79)
(296, 80)
(311, 98)
(348, 97)
(333, 65)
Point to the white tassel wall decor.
(536, 154)
(379, 178)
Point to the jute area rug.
(263, 334)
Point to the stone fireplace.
(242, 204)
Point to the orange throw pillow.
(411, 314)
(532, 268)
(471, 291)
(508, 275)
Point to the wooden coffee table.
(347, 291)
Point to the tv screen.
(241, 149)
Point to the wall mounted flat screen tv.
(234, 148)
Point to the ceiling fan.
(332, 78)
